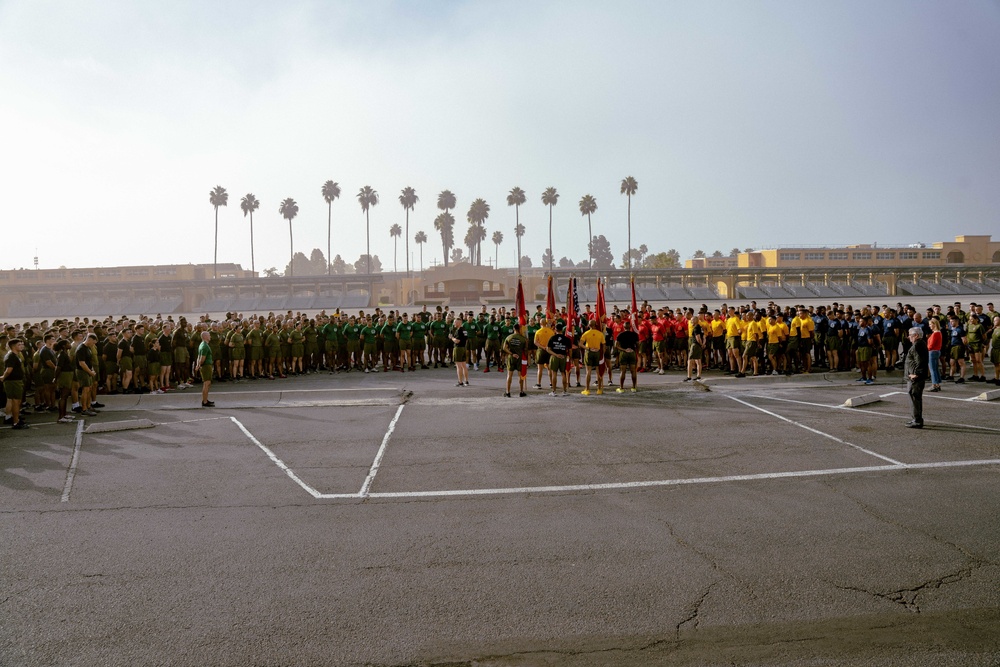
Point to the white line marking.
(295, 391)
(659, 483)
(378, 457)
(817, 432)
(71, 473)
(278, 462)
(190, 421)
(873, 412)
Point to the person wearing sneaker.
(64, 379)
(514, 346)
(934, 354)
(995, 351)
(958, 347)
(542, 355)
(627, 344)
(560, 349)
(915, 368)
(592, 344)
(86, 373)
(13, 381)
(203, 366)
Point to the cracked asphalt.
(185, 544)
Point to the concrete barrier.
(126, 425)
(992, 395)
(864, 399)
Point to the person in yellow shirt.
(717, 357)
(734, 346)
(775, 337)
(806, 329)
(542, 337)
(593, 344)
(754, 334)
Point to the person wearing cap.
(592, 342)
(542, 354)
(560, 350)
(514, 345)
(916, 370)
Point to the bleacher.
(935, 288)
(912, 289)
(753, 293)
(959, 288)
(702, 293)
(878, 289)
(776, 292)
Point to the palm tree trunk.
(496, 256)
(590, 243)
(329, 216)
(215, 257)
(407, 242)
(291, 251)
(395, 244)
(252, 267)
(629, 253)
(421, 257)
(368, 242)
(517, 226)
(551, 252)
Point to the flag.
(522, 320)
(550, 300)
(572, 307)
(635, 309)
(602, 314)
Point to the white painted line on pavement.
(71, 473)
(817, 432)
(288, 471)
(302, 391)
(190, 421)
(363, 493)
(659, 483)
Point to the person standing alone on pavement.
(916, 370)
(203, 365)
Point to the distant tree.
(547, 258)
(271, 272)
(633, 256)
(366, 261)
(456, 255)
(628, 188)
(643, 251)
(479, 211)
(699, 253)
(717, 254)
(407, 199)
(747, 249)
(470, 241)
(446, 202)
(217, 197)
(338, 265)
(550, 198)
(497, 240)
(317, 263)
(515, 198)
(288, 210)
(600, 253)
(420, 240)
(585, 264)
(445, 225)
(330, 192)
(734, 252)
(367, 197)
(663, 260)
(588, 206)
(249, 204)
(395, 231)
(299, 265)
(478, 235)
(566, 263)
(526, 262)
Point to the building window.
(109, 273)
(932, 255)
(908, 255)
(137, 272)
(166, 272)
(789, 256)
(816, 255)
(885, 255)
(83, 274)
(862, 255)
(834, 256)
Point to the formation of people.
(65, 365)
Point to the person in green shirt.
(272, 342)
(419, 341)
(390, 344)
(255, 337)
(493, 341)
(237, 353)
(439, 337)
(369, 336)
(296, 343)
(203, 366)
(311, 335)
(404, 333)
(352, 334)
(515, 345)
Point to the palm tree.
(588, 205)
(629, 186)
(445, 224)
(479, 211)
(478, 235)
(420, 240)
(288, 210)
(550, 198)
(249, 204)
(408, 198)
(470, 242)
(217, 197)
(394, 232)
(446, 202)
(330, 192)
(497, 240)
(367, 197)
(515, 198)
(519, 232)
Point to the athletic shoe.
(466, 384)
(475, 367)
(585, 392)
(366, 370)
(19, 426)
(698, 379)
(506, 394)
(934, 389)
(775, 373)
(960, 381)
(687, 379)
(600, 392)
(619, 390)
(552, 393)
(77, 409)
(459, 385)
(522, 395)
(207, 404)
(861, 380)
(538, 386)
(869, 382)
(95, 404)
(633, 390)
(66, 420)
(660, 372)
(89, 413)
(486, 370)
(741, 375)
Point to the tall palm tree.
(479, 211)
(394, 232)
(470, 242)
(217, 197)
(446, 202)
(550, 198)
(515, 198)
(445, 224)
(330, 192)
(288, 210)
(408, 199)
(420, 240)
(588, 205)
(629, 186)
(478, 234)
(249, 204)
(497, 240)
(367, 197)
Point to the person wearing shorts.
(13, 382)
(514, 346)
(203, 366)
(592, 343)
(627, 343)
(559, 348)
(542, 354)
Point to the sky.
(746, 124)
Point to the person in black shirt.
(460, 337)
(13, 382)
(560, 348)
(627, 343)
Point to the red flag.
(522, 319)
(635, 309)
(572, 308)
(550, 300)
(602, 314)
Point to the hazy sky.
(745, 123)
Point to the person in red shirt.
(658, 329)
(645, 343)
(680, 338)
